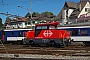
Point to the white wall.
(69, 12)
(28, 24)
(64, 19)
(16, 25)
(83, 10)
(64, 14)
(23, 24)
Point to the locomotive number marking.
(47, 33)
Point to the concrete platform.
(34, 56)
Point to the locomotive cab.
(40, 27)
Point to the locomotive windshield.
(41, 27)
(45, 26)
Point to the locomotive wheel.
(66, 43)
(31, 43)
(52, 43)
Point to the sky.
(11, 7)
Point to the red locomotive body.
(47, 34)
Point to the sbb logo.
(47, 33)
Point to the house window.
(33, 22)
(25, 23)
(28, 23)
(67, 10)
(86, 20)
(86, 9)
(76, 10)
(19, 24)
(73, 14)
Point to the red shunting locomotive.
(47, 33)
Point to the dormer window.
(87, 9)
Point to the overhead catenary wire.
(13, 2)
(9, 15)
(22, 3)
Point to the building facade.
(71, 11)
(27, 22)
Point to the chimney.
(80, 7)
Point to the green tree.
(35, 13)
(48, 13)
(27, 15)
(8, 19)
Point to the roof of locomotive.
(45, 24)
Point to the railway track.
(72, 50)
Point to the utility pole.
(31, 12)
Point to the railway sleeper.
(87, 43)
(80, 55)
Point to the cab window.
(41, 27)
(38, 27)
(44, 27)
(52, 27)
